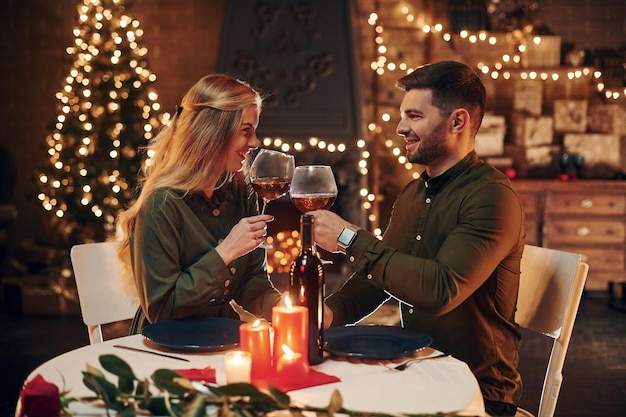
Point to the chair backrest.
(102, 297)
(551, 286)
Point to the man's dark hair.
(453, 85)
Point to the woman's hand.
(245, 236)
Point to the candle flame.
(256, 323)
(287, 351)
(288, 301)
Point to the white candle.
(238, 365)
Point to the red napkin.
(312, 379)
(194, 374)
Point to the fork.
(404, 365)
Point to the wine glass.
(313, 187)
(270, 175)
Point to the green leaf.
(164, 379)
(105, 390)
(156, 406)
(282, 399)
(117, 366)
(261, 401)
(128, 411)
(94, 371)
(336, 403)
(195, 407)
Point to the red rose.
(40, 398)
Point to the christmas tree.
(107, 111)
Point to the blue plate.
(373, 341)
(201, 334)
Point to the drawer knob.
(586, 203)
(583, 231)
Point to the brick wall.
(588, 24)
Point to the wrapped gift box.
(603, 152)
(503, 43)
(533, 162)
(542, 51)
(607, 118)
(532, 130)
(527, 97)
(490, 136)
(570, 115)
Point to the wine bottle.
(306, 288)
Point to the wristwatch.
(346, 237)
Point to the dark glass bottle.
(306, 288)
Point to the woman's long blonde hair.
(189, 154)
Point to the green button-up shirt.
(451, 255)
(177, 270)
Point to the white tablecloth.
(439, 385)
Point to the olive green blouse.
(451, 256)
(178, 272)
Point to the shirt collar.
(437, 182)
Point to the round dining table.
(444, 384)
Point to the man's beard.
(430, 149)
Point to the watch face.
(346, 237)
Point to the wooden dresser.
(581, 216)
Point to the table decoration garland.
(176, 396)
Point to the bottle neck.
(306, 234)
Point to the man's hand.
(326, 229)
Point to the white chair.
(102, 297)
(551, 286)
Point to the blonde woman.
(191, 239)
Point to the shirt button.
(410, 311)
(428, 200)
(216, 212)
(369, 276)
(418, 237)
(227, 283)
(352, 259)
(233, 270)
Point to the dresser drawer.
(532, 231)
(599, 259)
(586, 203)
(529, 203)
(585, 231)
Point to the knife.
(150, 351)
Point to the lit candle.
(255, 338)
(238, 364)
(291, 365)
(291, 328)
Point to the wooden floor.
(594, 375)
